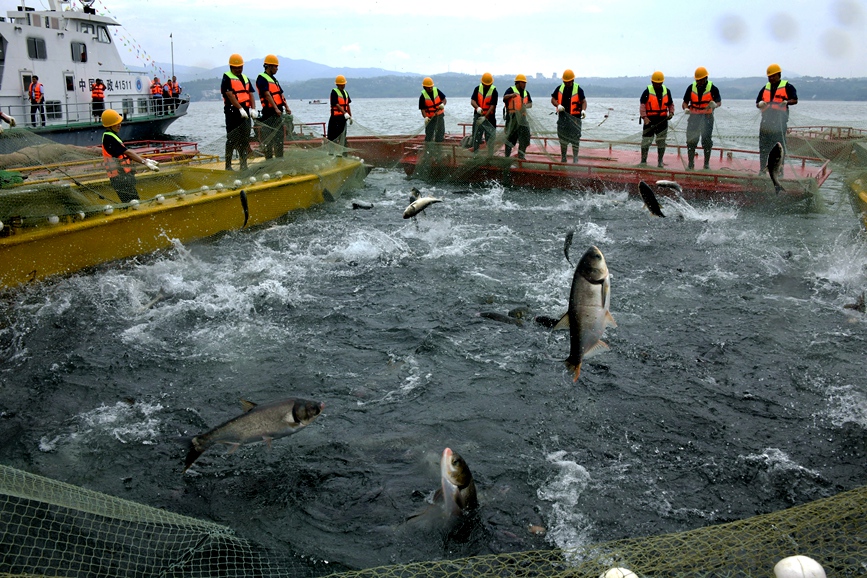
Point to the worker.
(571, 104)
(238, 106)
(484, 103)
(798, 567)
(171, 93)
(97, 97)
(656, 108)
(157, 95)
(274, 106)
(699, 101)
(118, 159)
(36, 93)
(432, 104)
(341, 111)
(774, 101)
(517, 100)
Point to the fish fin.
(267, 440)
(563, 323)
(609, 319)
(598, 347)
(247, 405)
(193, 454)
(233, 447)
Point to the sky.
(595, 38)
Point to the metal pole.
(171, 37)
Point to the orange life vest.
(484, 100)
(97, 91)
(657, 106)
(342, 100)
(157, 88)
(274, 89)
(35, 91)
(574, 99)
(776, 100)
(114, 165)
(172, 89)
(516, 104)
(242, 90)
(700, 104)
(431, 103)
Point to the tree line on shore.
(461, 85)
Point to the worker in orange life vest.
(699, 101)
(341, 113)
(36, 92)
(774, 100)
(517, 100)
(238, 106)
(432, 104)
(484, 103)
(656, 108)
(118, 159)
(97, 97)
(571, 104)
(171, 92)
(274, 106)
(157, 95)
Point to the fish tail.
(575, 368)
(193, 453)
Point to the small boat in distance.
(68, 49)
(317, 101)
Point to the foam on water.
(568, 527)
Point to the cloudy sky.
(609, 38)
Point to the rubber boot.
(690, 155)
(563, 150)
(659, 154)
(574, 154)
(229, 152)
(707, 160)
(644, 155)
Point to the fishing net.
(50, 528)
(61, 195)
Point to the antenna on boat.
(172, 42)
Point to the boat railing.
(58, 113)
(827, 132)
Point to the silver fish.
(458, 488)
(264, 422)
(775, 165)
(568, 243)
(419, 205)
(649, 198)
(588, 314)
(674, 185)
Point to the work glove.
(12, 121)
(583, 114)
(346, 115)
(561, 108)
(426, 120)
(479, 110)
(686, 111)
(350, 120)
(441, 106)
(243, 112)
(152, 165)
(712, 105)
(254, 113)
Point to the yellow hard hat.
(487, 79)
(700, 72)
(271, 59)
(520, 78)
(427, 82)
(657, 76)
(340, 79)
(110, 118)
(774, 69)
(236, 60)
(568, 75)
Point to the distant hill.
(303, 79)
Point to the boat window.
(102, 35)
(70, 83)
(87, 28)
(79, 52)
(36, 48)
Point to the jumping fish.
(419, 205)
(775, 165)
(566, 244)
(675, 186)
(588, 313)
(361, 205)
(458, 489)
(649, 198)
(264, 422)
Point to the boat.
(733, 175)
(829, 142)
(317, 101)
(68, 49)
(858, 197)
(59, 229)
